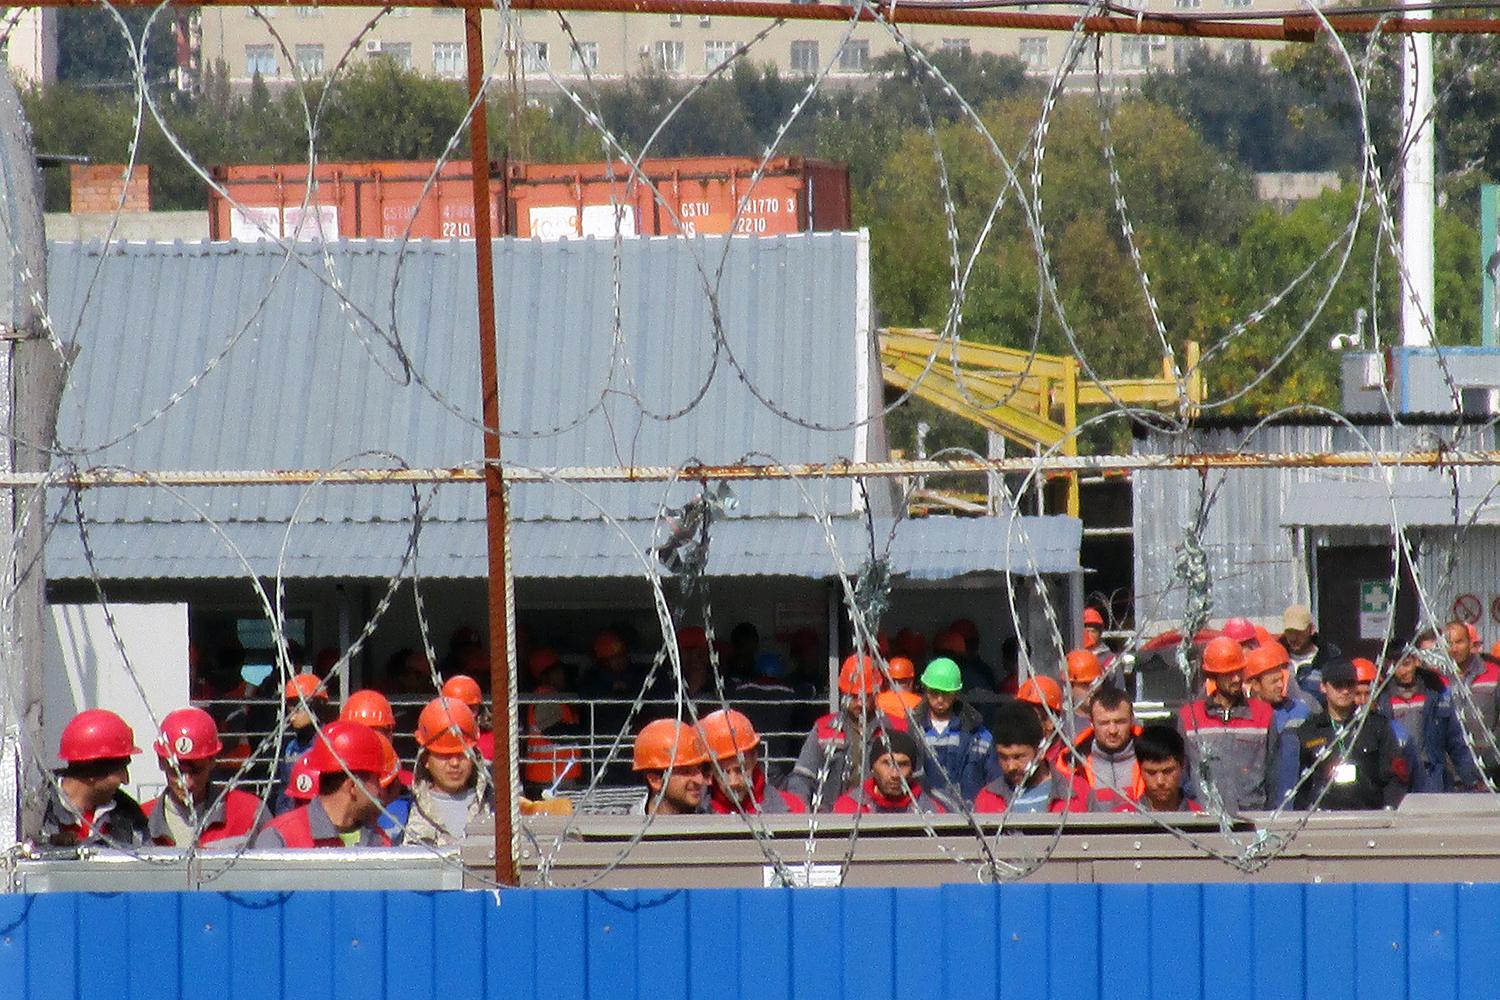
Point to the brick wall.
(96, 187)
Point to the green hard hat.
(942, 675)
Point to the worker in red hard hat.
(672, 759)
(88, 803)
(450, 791)
(463, 688)
(1232, 740)
(739, 780)
(832, 759)
(194, 809)
(349, 762)
(306, 701)
(895, 781)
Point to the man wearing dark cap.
(1346, 763)
(893, 785)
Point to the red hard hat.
(1083, 667)
(1223, 656)
(462, 687)
(1365, 670)
(302, 784)
(446, 726)
(96, 734)
(668, 743)
(1240, 629)
(188, 734)
(1092, 618)
(902, 669)
(858, 675)
(309, 687)
(692, 637)
(1041, 691)
(347, 746)
(370, 708)
(728, 732)
(608, 645)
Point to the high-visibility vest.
(545, 762)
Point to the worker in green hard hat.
(959, 747)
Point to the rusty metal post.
(504, 708)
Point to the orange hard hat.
(306, 687)
(1264, 659)
(608, 645)
(1083, 667)
(1223, 656)
(1041, 691)
(1092, 618)
(895, 704)
(728, 732)
(668, 743)
(462, 687)
(950, 642)
(1495, 650)
(541, 660)
(858, 675)
(370, 708)
(392, 769)
(446, 726)
(1365, 670)
(901, 669)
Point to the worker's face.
(1459, 646)
(680, 794)
(892, 773)
(1231, 685)
(1112, 726)
(1014, 761)
(1269, 686)
(360, 797)
(860, 707)
(739, 779)
(1091, 636)
(187, 780)
(1361, 693)
(1297, 639)
(1161, 780)
(300, 717)
(1081, 693)
(450, 771)
(1406, 670)
(1341, 696)
(940, 703)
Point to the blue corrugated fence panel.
(1013, 942)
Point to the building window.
(804, 57)
(584, 57)
(1187, 4)
(854, 57)
(1033, 52)
(448, 59)
(397, 52)
(310, 60)
(1135, 53)
(534, 57)
(668, 56)
(308, 11)
(716, 54)
(1183, 49)
(260, 59)
(956, 46)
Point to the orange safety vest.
(544, 762)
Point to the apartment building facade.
(613, 46)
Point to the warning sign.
(1375, 600)
(1466, 608)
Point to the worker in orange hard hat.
(462, 687)
(739, 780)
(87, 803)
(900, 699)
(370, 708)
(451, 791)
(832, 760)
(1266, 678)
(672, 759)
(1232, 741)
(1083, 672)
(549, 727)
(1093, 640)
(306, 706)
(1044, 697)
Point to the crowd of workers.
(1276, 720)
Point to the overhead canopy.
(1424, 503)
(230, 356)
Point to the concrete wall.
(132, 227)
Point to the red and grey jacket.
(1232, 750)
(1049, 791)
(868, 799)
(768, 801)
(309, 826)
(825, 755)
(119, 823)
(237, 818)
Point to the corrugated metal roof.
(934, 548)
(311, 377)
(1414, 504)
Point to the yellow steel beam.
(1026, 429)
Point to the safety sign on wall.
(1375, 600)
